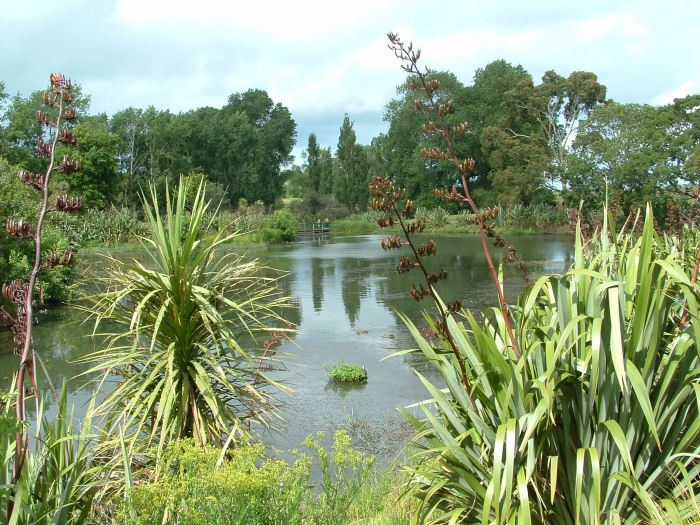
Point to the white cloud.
(322, 58)
(611, 26)
(276, 18)
(685, 89)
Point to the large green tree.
(241, 146)
(275, 136)
(528, 147)
(326, 163)
(483, 109)
(640, 151)
(313, 162)
(98, 182)
(21, 128)
(3, 100)
(314, 181)
(397, 154)
(556, 107)
(517, 164)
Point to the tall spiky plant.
(184, 369)
(596, 417)
(21, 294)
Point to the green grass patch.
(345, 373)
(354, 226)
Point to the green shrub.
(596, 416)
(281, 226)
(270, 235)
(343, 473)
(202, 485)
(197, 487)
(345, 373)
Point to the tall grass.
(531, 216)
(102, 227)
(595, 418)
(59, 478)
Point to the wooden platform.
(314, 227)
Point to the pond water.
(346, 290)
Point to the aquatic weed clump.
(342, 372)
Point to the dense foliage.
(18, 201)
(598, 414)
(201, 486)
(554, 142)
(281, 226)
(641, 151)
(559, 141)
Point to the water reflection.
(347, 293)
(317, 271)
(61, 340)
(342, 389)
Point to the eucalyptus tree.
(130, 129)
(557, 106)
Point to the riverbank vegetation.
(579, 403)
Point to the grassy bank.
(512, 220)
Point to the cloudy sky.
(322, 58)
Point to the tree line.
(241, 147)
(559, 141)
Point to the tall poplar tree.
(352, 179)
(313, 164)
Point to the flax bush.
(597, 416)
(59, 479)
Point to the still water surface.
(345, 289)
